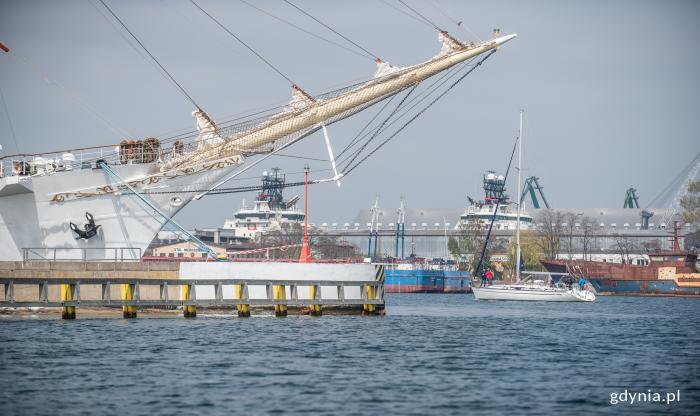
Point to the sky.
(609, 88)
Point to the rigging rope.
(406, 13)
(420, 97)
(353, 167)
(358, 136)
(412, 119)
(495, 212)
(69, 94)
(421, 16)
(152, 57)
(274, 68)
(459, 23)
(675, 183)
(379, 129)
(370, 54)
(9, 122)
(304, 30)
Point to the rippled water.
(432, 354)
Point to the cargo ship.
(669, 273)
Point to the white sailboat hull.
(529, 293)
(32, 226)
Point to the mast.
(517, 225)
(309, 112)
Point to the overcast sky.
(610, 90)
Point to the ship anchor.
(89, 231)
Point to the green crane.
(532, 187)
(631, 199)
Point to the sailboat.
(529, 289)
(129, 191)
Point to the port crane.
(631, 199)
(533, 187)
(373, 228)
(400, 228)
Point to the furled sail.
(305, 114)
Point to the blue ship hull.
(643, 287)
(426, 281)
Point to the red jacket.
(489, 275)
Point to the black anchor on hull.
(89, 231)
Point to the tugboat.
(481, 213)
(269, 212)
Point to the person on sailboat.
(581, 283)
(489, 276)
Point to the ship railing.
(57, 254)
(127, 152)
(31, 164)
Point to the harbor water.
(431, 354)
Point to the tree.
(549, 230)
(468, 244)
(568, 225)
(530, 251)
(624, 246)
(589, 232)
(690, 203)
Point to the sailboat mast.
(517, 225)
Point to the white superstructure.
(481, 213)
(269, 212)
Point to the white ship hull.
(33, 226)
(532, 293)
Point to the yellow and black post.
(67, 295)
(128, 294)
(369, 308)
(188, 294)
(280, 293)
(243, 309)
(379, 294)
(315, 292)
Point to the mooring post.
(368, 308)
(128, 294)
(315, 292)
(379, 291)
(188, 294)
(280, 293)
(67, 292)
(242, 293)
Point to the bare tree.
(549, 229)
(568, 229)
(625, 246)
(589, 231)
(690, 203)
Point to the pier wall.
(87, 270)
(176, 270)
(271, 270)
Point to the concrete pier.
(192, 286)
